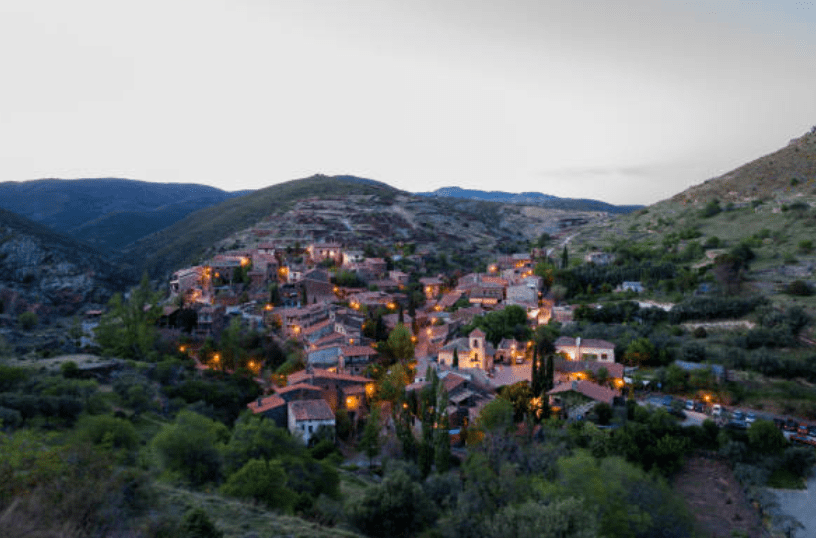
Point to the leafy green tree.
(370, 441)
(400, 345)
(262, 481)
(455, 361)
(496, 416)
(765, 438)
(395, 507)
(518, 394)
(196, 524)
(190, 448)
(28, 320)
(128, 330)
(257, 438)
(639, 352)
(107, 430)
(561, 518)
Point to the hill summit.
(785, 172)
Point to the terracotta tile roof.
(317, 327)
(615, 369)
(298, 386)
(450, 298)
(354, 389)
(319, 373)
(329, 339)
(310, 410)
(356, 351)
(478, 333)
(588, 342)
(265, 404)
(453, 381)
(588, 389)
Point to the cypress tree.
(549, 375)
(534, 378)
(455, 362)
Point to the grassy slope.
(239, 519)
(766, 181)
(186, 240)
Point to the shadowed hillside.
(106, 213)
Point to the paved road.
(800, 504)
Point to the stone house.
(577, 349)
(307, 416)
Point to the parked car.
(812, 430)
(791, 425)
(779, 423)
(738, 416)
(750, 418)
(716, 410)
(699, 407)
(667, 401)
(802, 430)
(690, 405)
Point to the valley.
(332, 356)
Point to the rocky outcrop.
(49, 273)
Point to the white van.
(716, 411)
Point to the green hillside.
(186, 240)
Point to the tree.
(262, 481)
(564, 258)
(128, 330)
(255, 437)
(496, 416)
(400, 344)
(557, 519)
(766, 438)
(196, 524)
(455, 361)
(395, 507)
(370, 441)
(28, 320)
(190, 448)
(639, 352)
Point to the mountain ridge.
(530, 198)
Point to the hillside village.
(321, 363)
(295, 295)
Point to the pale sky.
(626, 101)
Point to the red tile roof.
(299, 386)
(588, 389)
(265, 404)
(356, 351)
(311, 410)
(319, 373)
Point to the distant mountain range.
(531, 198)
(108, 213)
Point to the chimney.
(260, 401)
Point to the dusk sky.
(628, 101)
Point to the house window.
(603, 356)
(310, 428)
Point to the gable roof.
(615, 369)
(310, 410)
(588, 389)
(477, 333)
(299, 386)
(319, 373)
(568, 341)
(263, 405)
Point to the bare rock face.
(50, 273)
